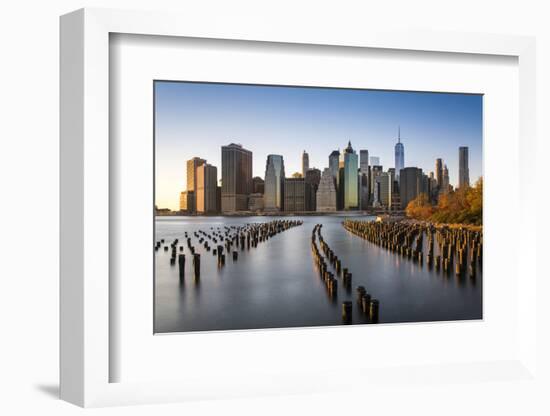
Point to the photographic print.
(289, 206)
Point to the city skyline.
(440, 119)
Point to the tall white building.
(326, 193)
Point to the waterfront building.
(326, 193)
(257, 185)
(410, 184)
(351, 165)
(274, 183)
(294, 194)
(375, 170)
(364, 161)
(305, 163)
(439, 173)
(218, 198)
(399, 154)
(236, 178)
(312, 179)
(374, 161)
(463, 169)
(207, 184)
(340, 187)
(334, 163)
(192, 165)
(383, 189)
(256, 202)
(187, 201)
(363, 190)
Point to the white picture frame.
(85, 182)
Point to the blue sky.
(196, 119)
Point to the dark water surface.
(277, 284)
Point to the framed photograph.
(233, 232)
(265, 212)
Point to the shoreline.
(284, 214)
(381, 216)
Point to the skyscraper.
(274, 183)
(374, 161)
(445, 179)
(363, 190)
(187, 199)
(399, 154)
(312, 179)
(375, 170)
(192, 165)
(326, 194)
(410, 184)
(463, 169)
(439, 173)
(383, 190)
(236, 178)
(305, 163)
(364, 161)
(207, 183)
(334, 163)
(294, 194)
(351, 198)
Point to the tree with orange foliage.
(420, 208)
(462, 206)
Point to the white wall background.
(29, 57)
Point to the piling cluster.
(222, 240)
(330, 269)
(456, 248)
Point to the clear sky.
(196, 119)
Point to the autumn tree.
(420, 208)
(461, 206)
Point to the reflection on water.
(277, 283)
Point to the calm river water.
(277, 284)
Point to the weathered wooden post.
(365, 303)
(360, 293)
(197, 265)
(347, 309)
(181, 264)
(374, 308)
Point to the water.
(277, 285)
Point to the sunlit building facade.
(207, 184)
